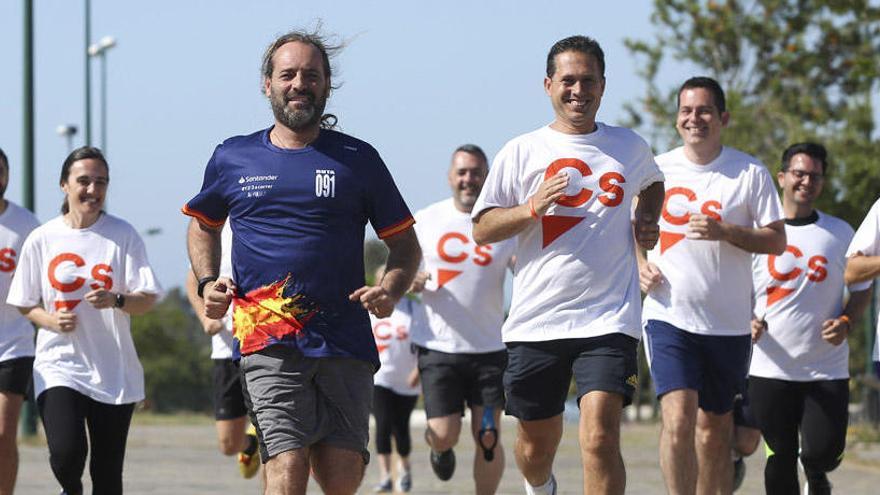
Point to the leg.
(10, 408)
(288, 473)
(108, 432)
(713, 443)
(778, 406)
(231, 435)
(599, 435)
(487, 474)
(338, 471)
(745, 440)
(823, 429)
(63, 411)
(678, 455)
(535, 448)
(402, 409)
(382, 412)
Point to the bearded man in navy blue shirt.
(298, 196)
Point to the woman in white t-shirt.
(396, 389)
(80, 276)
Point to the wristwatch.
(120, 301)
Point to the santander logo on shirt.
(457, 248)
(64, 276)
(684, 204)
(385, 330)
(580, 190)
(786, 268)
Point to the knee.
(535, 452)
(443, 440)
(679, 427)
(601, 442)
(820, 462)
(712, 440)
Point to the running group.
(744, 301)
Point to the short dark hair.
(473, 149)
(81, 153)
(577, 43)
(4, 159)
(708, 84)
(814, 150)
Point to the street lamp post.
(100, 50)
(67, 131)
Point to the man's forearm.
(856, 306)
(764, 240)
(861, 268)
(203, 243)
(651, 202)
(404, 256)
(498, 224)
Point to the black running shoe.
(443, 464)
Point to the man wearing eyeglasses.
(799, 374)
(720, 207)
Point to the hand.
(548, 192)
(413, 379)
(218, 297)
(649, 277)
(65, 320)
(212, 327)
(418, 283)
(646, 231)
(834, 331)
(704, 227)
(101, 298)
(759, 326)
(374, 299)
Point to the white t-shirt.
(707, 285)
(58, 265)
(796, 292)
(867, 240)
(16, 332)
(221, 342)
(464, 298)
(575, 273)
(396, 355)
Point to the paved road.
(181, 459)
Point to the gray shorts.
(296, 401)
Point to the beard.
(301, 118)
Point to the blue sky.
(418, 79)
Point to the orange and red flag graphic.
(265, 315)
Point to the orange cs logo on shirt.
(452, 248)
(7, 259)
(384, 331)
(816, 272)
(553, 226)
(710, 208)
(100, 273)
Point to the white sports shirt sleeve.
(867, 241)
(16, 332)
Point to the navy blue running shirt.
(298, 219)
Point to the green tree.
(175, 354)
(792, 69)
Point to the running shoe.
(739, 473)
(404, 483)
(383, 487)
(249, 463)
(443, 464)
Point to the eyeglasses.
(800, 174)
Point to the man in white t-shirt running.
(460, 352)
(16, 333)
(720, 207)
(863, 264)
(799, 373)
(565, 192)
